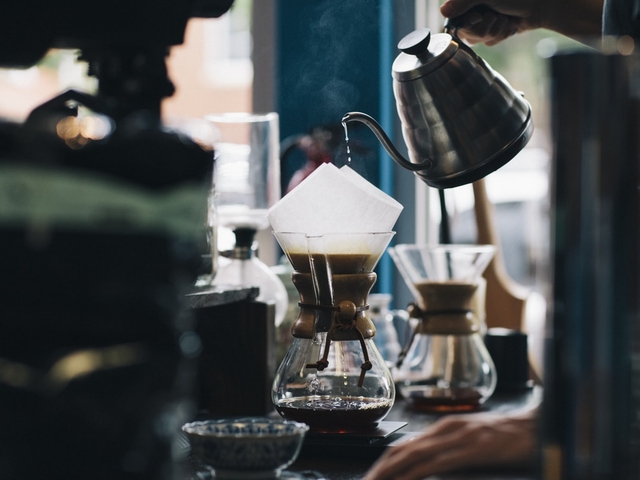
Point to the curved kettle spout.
(385, 141)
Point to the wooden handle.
(506, 299)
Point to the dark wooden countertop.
(215, 296)
(343, 457)
(351, 461)
(349, 458)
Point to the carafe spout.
(386, 141)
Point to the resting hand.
(458, 442)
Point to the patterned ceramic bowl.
(246, 448)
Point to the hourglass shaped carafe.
(445, 365)
(333, 377)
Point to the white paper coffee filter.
(333, 200)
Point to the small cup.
(509, 350)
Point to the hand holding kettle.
(461, 120)
(492, 21)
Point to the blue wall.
(334, 56)
(328, 61)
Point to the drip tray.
(370, 443)
(383, 430)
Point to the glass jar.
(333, 377)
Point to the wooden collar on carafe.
(345, 319)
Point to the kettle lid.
(422, 53)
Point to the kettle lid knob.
(416, 43)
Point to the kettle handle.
(385, 141)
(455, 23)
(452, 25)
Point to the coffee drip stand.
(346, 321)
(333, 377)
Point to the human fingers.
(498, 26)
(505, 31)
(401, 458)
(391, 462)
(456, 422)
(514, 8)
(455, 8)
(400, 461)
(421, 457)
(456, 458)
(492, 28)
(483, 27)
(457, 442)
(454, 443)
(488, 440)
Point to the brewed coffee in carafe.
(333, 377)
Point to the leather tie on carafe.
(439, 303)
(416, 312)
(344, 319)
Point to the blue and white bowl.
(246, 448)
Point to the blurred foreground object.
(102, 215)
(591, 421)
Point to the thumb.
(455, 8)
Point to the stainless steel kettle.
(461, 120)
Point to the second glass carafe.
(445, 365)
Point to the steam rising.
(328, 71)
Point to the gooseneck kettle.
(461, 120)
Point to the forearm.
(459, 441)
(573, 18)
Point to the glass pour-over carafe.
(445, 365)
(333, 377)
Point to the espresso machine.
(102, 236)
